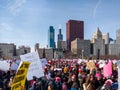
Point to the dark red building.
(74, 29)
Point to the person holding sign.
(18, 82)
(90, 82)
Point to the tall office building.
(60, 36)
(98, 44)
(74, 29)
(106, 38)
(60, 39)
(51, 37)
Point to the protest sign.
(20, 77)
(91, 65)
(118, 64)
(43, 62)
(15, 64)
(35, 65)
(107, 69)
(4, 65)
(118, 78)
(101, 63)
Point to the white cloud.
(15, 7)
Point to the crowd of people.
(66, 76)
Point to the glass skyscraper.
(51, 37)
(60, 39)
(60, 36)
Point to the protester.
(99, 81)
(65, 84)
(67, 75)
(90, 82)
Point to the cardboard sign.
(20, 77)
(91, 65)
(35, 66)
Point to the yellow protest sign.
(20, 77)
(91, 65)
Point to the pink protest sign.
(107, 69)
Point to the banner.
(35, 65)
(20, 77)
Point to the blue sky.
(26, 22)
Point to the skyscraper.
(74, 29)
(60, 36)
(60, 39)
(51, 37)
(106, 38)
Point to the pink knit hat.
(74, 77)
(109, 82)
(98, 75)
(57, 79)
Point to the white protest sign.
(79, 61)
(4, 65)
(15, 65)
(114, 61)
(118, 63)
(43, 62)
(101, 63)
(35, 68)
(118, 78)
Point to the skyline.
(26, 22)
